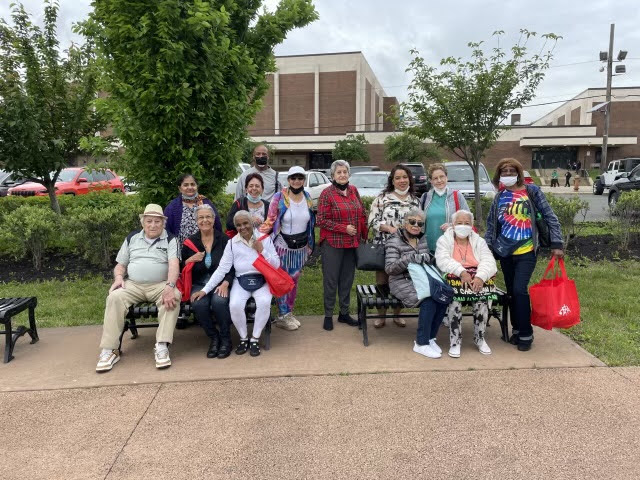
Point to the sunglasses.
(413, 222)
(296, 177)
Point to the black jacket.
(200, 273)
(242, 204)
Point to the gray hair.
(414, 212)
(455, 216)
(241, 214)
(339, 163)
(205, 206)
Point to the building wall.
(366, 121)
(264, 123)
(297, 103)
(337, 102)
(575, 116)
(388, 103)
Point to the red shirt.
(336, 211)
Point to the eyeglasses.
(296, 177)
(413, 222)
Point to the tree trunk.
(53, 198)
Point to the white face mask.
(440, 191)
(402, 192)
(462, 231)
(509, 181)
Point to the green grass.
(610, 308)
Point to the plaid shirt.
(335, 212)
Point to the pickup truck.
(614, 171)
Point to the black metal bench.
(379, 297)
(9, 307)
(150, 310)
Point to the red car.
(527, 178)
(74, 181)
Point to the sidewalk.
(584, 190)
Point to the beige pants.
(119, 301)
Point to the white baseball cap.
(296, 170)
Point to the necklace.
(463, 255)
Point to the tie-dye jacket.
(278, 207)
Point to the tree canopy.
(461, 106)
(407, 148)
(185, 79)
(45, 98)
(352, 148)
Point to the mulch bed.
(69, 267)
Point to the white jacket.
(487, 267)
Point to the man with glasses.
(268, 174)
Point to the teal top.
(436, 216)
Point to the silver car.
(460, 177)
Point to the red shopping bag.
(554, 301)
(184, 280)
(280, 283)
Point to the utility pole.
(607, 108)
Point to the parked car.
(630, 182)
(315, 183)
(363, 168)
(528, 178)
(231, 185)
(129, 185)
(460, 178)
(420, 181)
(369, 184)
(9, 180)
(615, 169)
(74, 181)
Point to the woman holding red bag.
(514, 238)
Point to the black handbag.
(251, 281)
(370, 256)
(296, 241)
(544, 236)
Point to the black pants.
(517, 271)
(338, 272)
(209, 307)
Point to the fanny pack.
(251, 281)
(297, 240)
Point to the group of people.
(278, 223)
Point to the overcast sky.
(386, 30)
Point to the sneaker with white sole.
(454, 351)
(426, 350)
(435, 346)
(483, 347)
(295, 320)
(285, 322)
(161, 353)
(107, 359)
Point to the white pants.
(238, 300)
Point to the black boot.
(328, 323)
(213, 348)
(225, 348)
(345, 318)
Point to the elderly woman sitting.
(240, 253)
(462, 253)
(409, 245)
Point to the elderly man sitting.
(149, 259)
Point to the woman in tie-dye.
(512, 236)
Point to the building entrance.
(550, 158)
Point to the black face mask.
(262, 161)
(296, 191)
(339, 186)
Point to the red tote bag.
(184, 280)
(280, 283)
(554, 301)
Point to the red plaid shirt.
(335, 212)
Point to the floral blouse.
(389, 209)
(188, 224)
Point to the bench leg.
(267, 337)
(362, 317)
(504, 322)
(33, 331)
(133, 328)
(8, 345)
(126, 327)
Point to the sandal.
(254, 349)
(379, 322)
(242, 347)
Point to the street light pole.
(607, 108)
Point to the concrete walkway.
(299, 410)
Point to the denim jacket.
(537, 203)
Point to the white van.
(614, 171)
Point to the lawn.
(610, 328)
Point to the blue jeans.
(209, 307)
(429, 320)
(517, 271)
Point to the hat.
(297, 170)
(152, 210)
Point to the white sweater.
(240, 256)
(487, 267)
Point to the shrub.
(222, 202)
(566, 210)
(29, 229)
(627, 217)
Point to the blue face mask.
(253, 199)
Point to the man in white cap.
(149, 260)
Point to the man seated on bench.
(149, 258)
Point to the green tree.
(45, 99)
(407, 148)
(185, 80)
(351, 149)
(462, 105)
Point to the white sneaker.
(454, 351)
(161, 353)
(285, 322)
(483, 347)
(106, 361)
(425, 350)
(295, 321)
(434, 345)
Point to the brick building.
(316, 100)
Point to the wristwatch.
(171, 284)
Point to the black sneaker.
(213, 348)
(513, 339)
(524, 347)
(225, 349)
(346, 318)
(242, 347)
(328, 323)
(254, 349)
